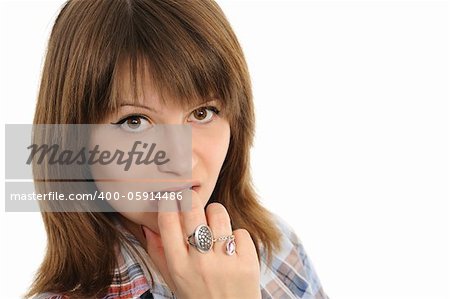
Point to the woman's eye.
(203, 114)
(134, 123)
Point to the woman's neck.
(134, 229)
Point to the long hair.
(192, 53)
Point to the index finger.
(170, 230)
(193, 215)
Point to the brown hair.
(193, 54)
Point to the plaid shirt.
(290, 275)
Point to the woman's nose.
(176, 141)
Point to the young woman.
(133, 64)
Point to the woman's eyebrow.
(206, 102)
(210, 102)
(139, 105)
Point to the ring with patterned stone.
(201, 238)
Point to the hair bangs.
(183, 65)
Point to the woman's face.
(209, 136)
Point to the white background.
(352, 144)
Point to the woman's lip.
(194, 188)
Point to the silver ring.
(230, 246)
(201, 238)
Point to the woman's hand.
(192, 274)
